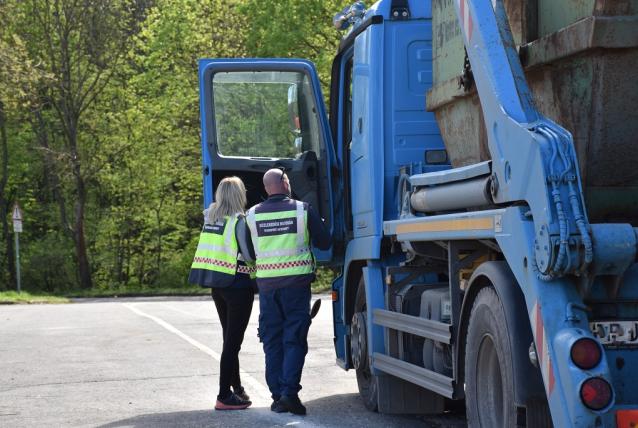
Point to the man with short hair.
(281, 229)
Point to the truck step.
(428, 379)
(422, 327)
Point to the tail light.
(335, 295)
(596, 393)
(586, 353)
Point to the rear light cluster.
(596, 393)
(586, 353)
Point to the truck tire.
(367, 382)
(489, 386)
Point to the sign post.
(17, 229)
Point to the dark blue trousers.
(284, 320)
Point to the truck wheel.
(489, 387)
(367, 382)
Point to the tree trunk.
(9, 258)
(51, 175)
(84, 267)
(158, 217)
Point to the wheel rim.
(358, 341)
(489, 385)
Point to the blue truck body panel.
(366, 163)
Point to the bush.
(48, 264)
(175, 270)
(323, 283)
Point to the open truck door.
(258, 114)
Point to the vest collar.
(278, 197)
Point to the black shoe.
(241, 393)
(277, 407)
(233, 402)
(292, 405)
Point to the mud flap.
(401, 397)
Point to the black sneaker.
(292, 405)
(233, 402)
(277, 407)
(241, 393)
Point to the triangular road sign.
(17, 212)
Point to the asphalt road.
(155, 363)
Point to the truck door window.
(265, 114)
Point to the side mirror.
(349, 15)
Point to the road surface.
(154, 362)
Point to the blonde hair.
(230, 198)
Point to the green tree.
(79, 44)
(152, 195)
(19, 78)
(99, 126)
(295, 29)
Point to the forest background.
(100, 135)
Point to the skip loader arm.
(547, 240)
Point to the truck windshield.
(264, 114)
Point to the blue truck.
(477, 263)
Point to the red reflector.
(596, 393)
(627, 419)
(335, 296)
(586, 353)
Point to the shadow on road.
(342, 411)
(196, 418)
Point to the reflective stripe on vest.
(218, 250)
(281, 241)
(246, 267)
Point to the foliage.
(323, 283)
(99, 128)
(48, 263)
(295, 29)
(147, 230)
(78, 45)
(9, 297)
(264, 114)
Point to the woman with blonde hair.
(221, 264)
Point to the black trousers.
(234, 306)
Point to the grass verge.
(322, 284)
(11, 297)
(133, 291)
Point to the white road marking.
(190, 314)
(255, 386)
